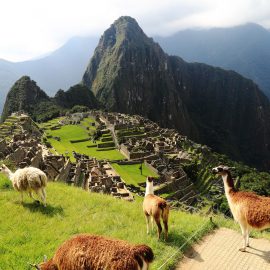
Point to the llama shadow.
(177, 240)
(263, 254)
(49, 210)
(191, 253)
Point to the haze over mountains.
(244, 49)
(59, 70)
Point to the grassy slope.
(29, 231)
(78, 132)
(131, 173)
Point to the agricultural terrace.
(131, 174)
(79, 138)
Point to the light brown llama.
(155, 208)
(250, 210)
(85, 251)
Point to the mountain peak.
(124, 28)
(23, 95)
(125, 20)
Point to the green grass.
(229, 223)
(78, 132)
(132, 174)
(87, 122)
(50, 123)
(28, 231)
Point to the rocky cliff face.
(26, 96)
(23, 96)
(130, 73)
(76, 95)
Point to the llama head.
(45, 265)
(149, 185)
(4, 169)
(150, 179)
(221, 170)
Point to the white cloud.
(33, 27)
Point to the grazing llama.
(250, 210)
(27, 180)
(155, 208)
(93, 252)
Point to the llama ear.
(45, 258)
(35, 266)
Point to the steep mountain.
(244, 49)
(130, 73)
(25, 95)
(76, 95)
(58, 70)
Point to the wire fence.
(180, 249)
(211, 213)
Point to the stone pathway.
(219, 251)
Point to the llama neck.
(9, 174)
(149, 188)
(228, 183)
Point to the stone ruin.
(26, 149)
(141, 140)
(100, 181)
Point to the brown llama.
(250, 210)
(85, 251)
(155, 208)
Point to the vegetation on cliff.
(130, 73)
(26, 95)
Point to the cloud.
(30, 28)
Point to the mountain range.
(131, 73)
(58, 70)
(25, 95)
(244, 49)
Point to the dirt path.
(219, 251)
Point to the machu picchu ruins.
(138, 139)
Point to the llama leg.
(21, 197)
(244, 233)
(247, 241)
(147, 217)
(31, 195)
(165, 217)
(166, 229)
(159, 227)
(152, 222)
(43, 196)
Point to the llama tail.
(43, 179)
(165, 208)
(143, 252)
(162, 205)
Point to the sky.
(30, 28)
